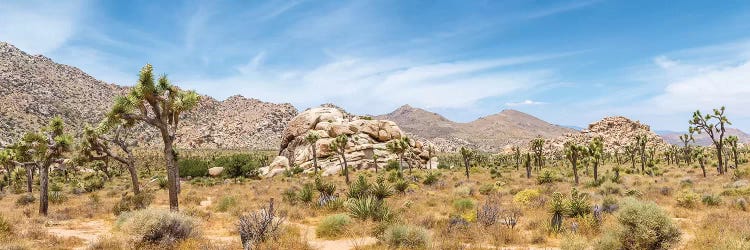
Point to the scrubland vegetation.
(579, 197)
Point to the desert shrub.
(489, 213)
(610, 204)
(193, 167)
(740, 203)
(645, 226)
(442, 165)
(293, 170)
(711, 200)
(5, 227)
(333, 226)
(225, 203)
(191, 197)
(381, 189)
(666, 191)
(162, 181)
(325, 189)
(431, 178)
(290, 195)
(687, 199)
(633, 192)
(391, 165)
(359, 189)
(573, 242)
(462, 191)
(369, 208)
(241, 165)
(57, 197)
(546, 176)
(403, 236)
(107, 243)
(609, 188)
(527, 196)
(401, 186)
(487, 189)
(130, 202)
(609, 240)
(463, 205)
(578, 204)
(158, 226)
(305, 194)
(25, 199)
(93, 182)
(260, 226)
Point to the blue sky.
(567, 62)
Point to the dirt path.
(309, 233)
(686, 236)
(87, 231)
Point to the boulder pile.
(367, 142)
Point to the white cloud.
(38, 26)
(524, 103)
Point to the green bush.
(391, 165)
(333, 226)
(546, 176)
(305, 194)
(57, 197)
(25, 199)
(431, 178)
(193, 167)
(290, 195)
(381, 189)
(527, 196)
(711, 200)
(401, 186)
(578, 205)
(645, 226)
(158, 226)
(238, 165)
(687, 199)
(403, 236)
(359, 189)
(129, 202)
(325, 189)
(5, 227)
(463, 205)
(369, 208)
(162, 181)
(487, 189)
(226, 203)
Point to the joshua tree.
(705, 124)
(467, 154)
(96, 145)
(517, 155)
(574, 153)
(732, 142)
(399, 147)
(596, 149)
(430, 151)
(375, 162)
(631, 150)
(686, 148)
(537, 146)
(312, 138)
(158, 104)
(700, 155)
(641, 141)
(339, 146)
(43, 149)
(6, 160)
(527, 164)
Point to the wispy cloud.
(39, 27)
(549, 11)
(524, 103)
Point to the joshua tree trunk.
(29, 178)
(528, 167)
(346, 168)
(575, 170)
(719, 153)
(466, 165)
(43, 189)
(703, 167)
(596, 170)
(315, 159)
(172, 174)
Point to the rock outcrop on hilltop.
(367, 137)
(617, 133)
(33, 89)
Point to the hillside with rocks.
(34, 89)
(490, 133)
(672, 137)
(617, 133)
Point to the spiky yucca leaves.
(158, 104)
(359, 189)
(578, 205)
(399, 147)
(714, 129)
(381, 189)
(732, 142)
(339, 146)
(574, 153)
(596, 151)
(369, 208)
(558, 209)
(686, 148)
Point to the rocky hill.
(34, 89)
(490, 133)
(672, 137)
(617, 132)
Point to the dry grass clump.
(333, 226)
(406, 236)
(723, 230)
(155, 226)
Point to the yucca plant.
(369, 208)
(381, 189)
(305, 195)
(578, 205)
(359, 189)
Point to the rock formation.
(617, 132)
(367, 137)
